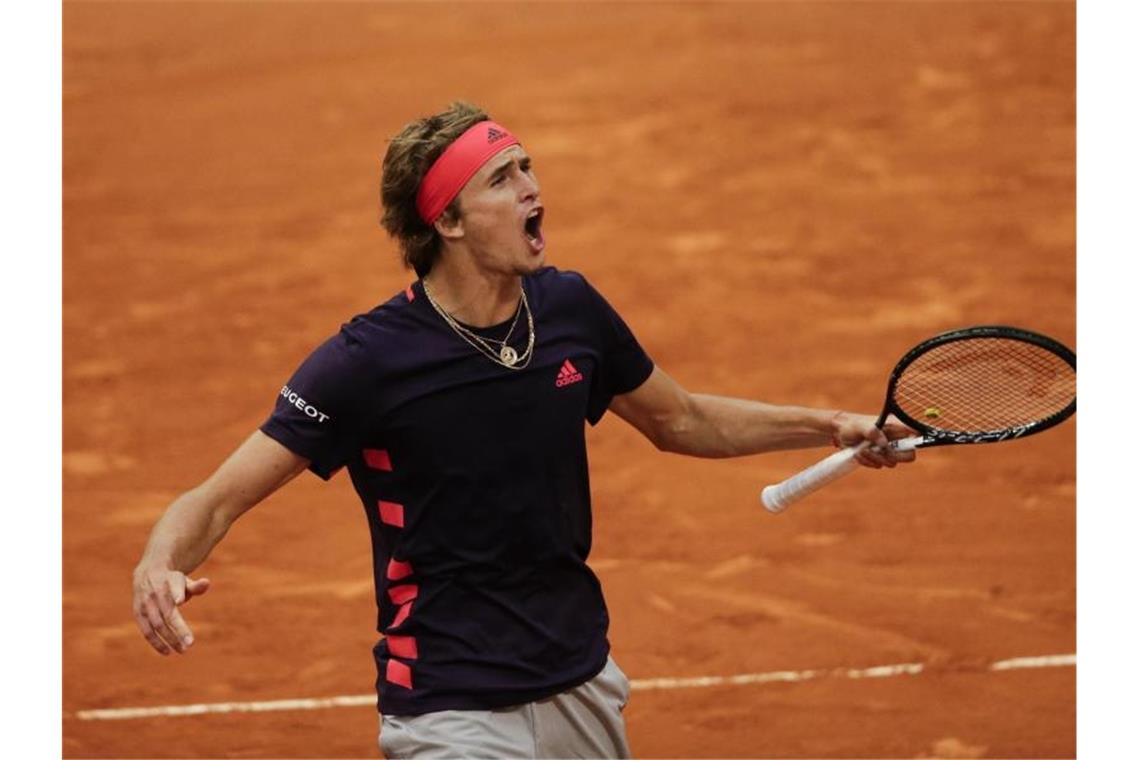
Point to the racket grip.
(778, 497)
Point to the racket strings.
(985, 384)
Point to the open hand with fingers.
(854, 429)
(158, 593)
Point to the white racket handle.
(780, 496)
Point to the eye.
(498, 180)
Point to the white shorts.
(585, 721)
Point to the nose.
(528, 185)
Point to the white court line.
(638, 684)
(1048, 661)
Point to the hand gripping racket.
(975, 385)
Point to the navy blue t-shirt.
(475, 483)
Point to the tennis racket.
(975, 385)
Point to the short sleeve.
(624, 364)
(319, 409)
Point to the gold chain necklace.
(505, 356)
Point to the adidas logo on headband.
(494, 135)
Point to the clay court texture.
(780, 198)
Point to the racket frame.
(932, 436)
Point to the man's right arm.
(190, 528)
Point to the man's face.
(501, 214)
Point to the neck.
(473, 296)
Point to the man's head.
(439, 166)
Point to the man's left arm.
(703, 425)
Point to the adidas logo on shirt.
(568, 375)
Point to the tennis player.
(458, 408)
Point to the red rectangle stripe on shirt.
(378, 459)
(399, 674)
(401, 615)
(403, 646)
(398, 570)
(403, 594)
(392, 513)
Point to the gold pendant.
(508, 355)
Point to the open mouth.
(532, 227)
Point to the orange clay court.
(780, 199)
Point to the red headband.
(458, 164)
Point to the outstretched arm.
(192, 525)
(716, 426)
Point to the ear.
(450, 224)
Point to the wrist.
(150, 564)
(834, 426)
